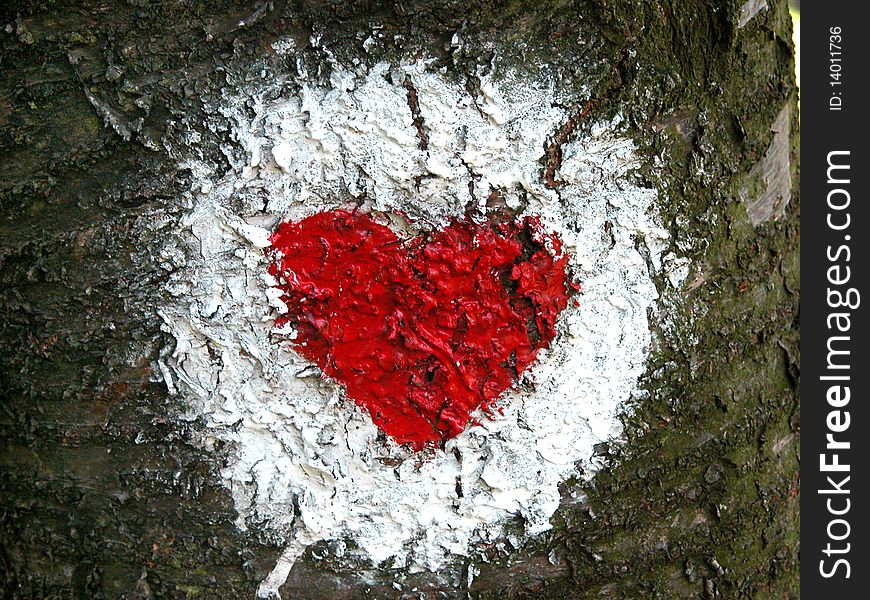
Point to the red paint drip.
(422, 331)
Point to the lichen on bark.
(104, 496)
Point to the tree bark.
(104, 496)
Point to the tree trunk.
(104, 494)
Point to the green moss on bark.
(104, 497)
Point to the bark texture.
(104, 497)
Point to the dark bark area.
(103, 495)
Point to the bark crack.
(472, 176)
(552, 159)
(553, 148)
(414, 105)
(473, 89)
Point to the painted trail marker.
(421, 332)
(302, 462)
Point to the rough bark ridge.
(102, 496)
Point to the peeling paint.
(302, 462)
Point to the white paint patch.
(303, 461)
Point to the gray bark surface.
(103, 496)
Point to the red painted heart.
(420, 331)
